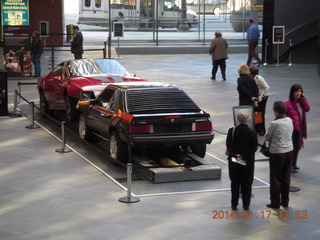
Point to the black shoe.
(272, 206)
(284, 205)
(296, 167)
(234, 208)
(246, 208)
(213, 78)
(224, 79)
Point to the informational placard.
(278, 34)
(17, 51)
(118, 29)
(15, 12)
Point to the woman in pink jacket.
(297, 106)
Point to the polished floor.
(50, 195)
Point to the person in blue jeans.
(36, 50)
(253, 35)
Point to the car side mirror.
(105, 104)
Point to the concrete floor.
(49, 195)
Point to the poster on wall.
(15, 12)
(17, 51)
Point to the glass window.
(87, 3)
(111, 66)
(82, 68)
(98, 3)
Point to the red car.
(62, 87)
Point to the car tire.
(199, 150)
(217, 11)
(72, 114)
(118, 149)
(84, 131)
(44, 107)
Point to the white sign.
(278, 34)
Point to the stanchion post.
(105, 50)
(63, 139)
(52, 51)
(129, 198)
(15, 105)
(32, 125)
(265, 52)
(15, 101)
(278, 53)
(19, 87)
(290, 63)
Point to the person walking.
(280, 147)
(262, 98)
(77, 43)
(21, 54)
(36, 50)
(247, 87)
(297, 107)
(218, 52)
(253, 35)
(241, 144)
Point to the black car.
(146, 115)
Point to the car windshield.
(82, 68)
(111, 66)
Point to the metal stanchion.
(32, 125)
(63, 149)
(129, 198)
(266, 52)
(290, 63)
(15, 105)
(278, 52)
(105, 50)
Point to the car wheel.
(72, 114)
(217, 11)
(44, 108)
(199, 150)
(84, 131)
(118, 149)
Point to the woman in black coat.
(247, 87)
(242, 143)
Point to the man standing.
(218, 51)
(253, 35)
(36, 50)
(76, 44)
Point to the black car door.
(102, 112)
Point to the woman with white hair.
(242, 143)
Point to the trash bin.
(70, 34)
(3, 93)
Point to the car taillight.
(203, 126)
(139, 129)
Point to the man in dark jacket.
(218, 51)
(76, 43)
(36, 50)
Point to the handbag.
(227, 152)
(265, 150)
(258, 117)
